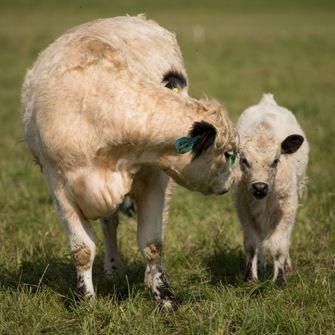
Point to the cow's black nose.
(259, 190)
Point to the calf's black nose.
(259, 190)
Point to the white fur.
(267, 223)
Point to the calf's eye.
(243, 161)
(275, 163)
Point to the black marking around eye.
(174, 79)
(244, 161)
(275, 163)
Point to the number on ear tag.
(185, 144)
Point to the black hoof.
(164, 295)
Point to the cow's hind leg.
(112, 261)
(82, 243)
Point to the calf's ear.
(291, 144)
(205, 133)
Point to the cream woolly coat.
(100, 118)
(268, 222)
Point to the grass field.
(249, 47)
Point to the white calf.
(273, 160)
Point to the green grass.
(250, 47)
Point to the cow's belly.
(98, 193)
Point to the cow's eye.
(275, 163)
(230, 157)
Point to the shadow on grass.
(59, 275)
(226, 266)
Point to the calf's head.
(260, 159)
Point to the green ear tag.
(185, 144)
(232, 160)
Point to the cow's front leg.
(158, 281)
(112, 261)
(150, 190)
(148, 277)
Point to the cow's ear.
(205, 134)
(291, 144)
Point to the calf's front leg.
(279, 249)
(251, 247)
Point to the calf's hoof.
(280, 280)
(248, 276)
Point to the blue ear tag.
(232, 160)
(185, 144)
